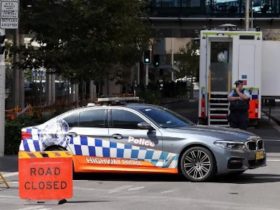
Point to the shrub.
(13, 132)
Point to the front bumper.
(231, 161)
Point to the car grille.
(256, 144)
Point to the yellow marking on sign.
(46, 154)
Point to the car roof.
(135, 106)
(140, 106)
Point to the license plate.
(259, 155)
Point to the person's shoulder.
(231, 93)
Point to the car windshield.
(165, 118)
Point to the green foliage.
(85, 39)
(12, 137)
(150, 96)
(188, 60)
(13, 132)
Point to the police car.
(143, 138)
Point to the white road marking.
(136, 188)
(34, 208)
(8, 196)
(121, 188)
(167, 191)
(273, 160)
(43, 209)
(89, 189)
(9, 174)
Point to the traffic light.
(147, 56)
(2, 44)
(156, 60)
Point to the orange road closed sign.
(45, 175)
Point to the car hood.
(215, 132)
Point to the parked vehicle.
(145, 138)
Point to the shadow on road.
(240, 179)
(248, 179)
(80, 202)
(129, 177)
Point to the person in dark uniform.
(239, 105)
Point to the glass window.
(166, 3)
(165, 118)
(93, 118)
(125, 119)
(72, 120)
(191, 3)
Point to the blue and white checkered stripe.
(33, 144)
(40, 139)
(87, 146)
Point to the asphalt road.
(255, 190)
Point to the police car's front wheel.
(197, 164)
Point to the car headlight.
(231, 145)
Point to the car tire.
(55, 148)
(197, 164)
(59, 148)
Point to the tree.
(188, 60)
(188, 63)
(87, 39)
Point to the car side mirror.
(145, 125)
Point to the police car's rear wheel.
(55, 148)
(59, 148)
(197, 164)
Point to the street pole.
(147, 75)
(2, 100)
(247, 15)
(252, 15)
(18, 90)
(138, 73)
(172, 60)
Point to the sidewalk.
(9, 163)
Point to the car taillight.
(25, 135)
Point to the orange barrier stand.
(3, 181)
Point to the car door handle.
(117, 136)
(73, 134)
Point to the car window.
(165, 118)
(72, 119)
(124, 119)
(93, 118)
